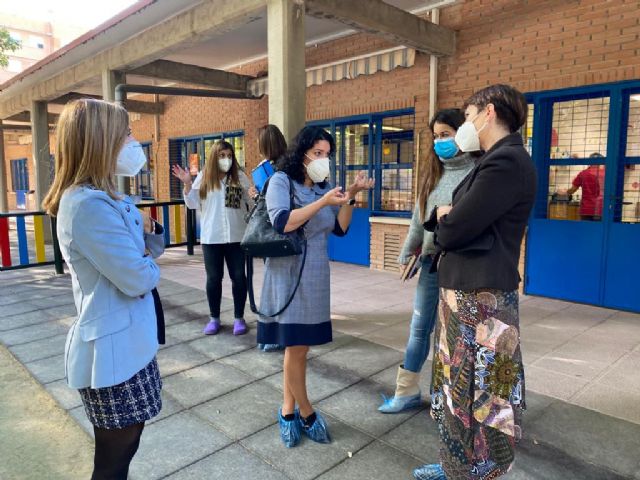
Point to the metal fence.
(28, 239)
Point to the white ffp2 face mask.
(467, 137)
(319, 169)
(130, 159)
(224, 164)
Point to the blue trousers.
(425, 312)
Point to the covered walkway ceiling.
(210, 34)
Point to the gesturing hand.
(181, 174)
(360, 183)
(442, 211)
(335, 197)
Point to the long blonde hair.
(89, 135)
(211, 171)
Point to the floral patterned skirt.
(478, 382)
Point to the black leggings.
(214, 257)
(114, 450)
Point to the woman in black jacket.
(478, 376)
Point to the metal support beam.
(185, 73)
(148, 108)
(4, 201)
(287, 78)
(40, 145)
(394, 24)
(110, 79)
(52, 118)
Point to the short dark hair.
(271, 142)
(510, 104)
(292, 163)
(449, 116)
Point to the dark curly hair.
(292, 163)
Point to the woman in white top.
(221, 192)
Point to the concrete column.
(40, 145)
(110, 79)
(287, 78)
(4, 201)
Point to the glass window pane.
(356, 144)
(633, 127)
(397, 189)
(579, 128)
(527, 129)
(631, 194)
(576, 192)
(397, 139)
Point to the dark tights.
(114, 450)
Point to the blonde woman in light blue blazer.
(110, 354)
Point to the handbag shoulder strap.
(252, 301)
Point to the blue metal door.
(353, 154)
(586, 145)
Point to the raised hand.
(360, 183)
(181, 174)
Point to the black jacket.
(480, 238)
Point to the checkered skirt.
(133, 401)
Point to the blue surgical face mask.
(445, 148)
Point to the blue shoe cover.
(398, 404)
(289, 430)
(317, 432)
(429, 472)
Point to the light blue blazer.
(103, 243)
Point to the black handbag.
(262, 240)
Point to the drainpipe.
(433, 71)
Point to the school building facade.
(375, 87)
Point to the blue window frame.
(19, 175)
(143, 181)
(382, 145)
(196, 148)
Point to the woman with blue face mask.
(445, 168)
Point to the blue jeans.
(425, 311)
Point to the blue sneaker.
(289, 429)
(398, 404)
(429, 472)
(318, 431)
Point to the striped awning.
(349, 68)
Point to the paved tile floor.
(221, 394)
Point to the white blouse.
(219, 224)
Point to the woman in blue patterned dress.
(320, 209)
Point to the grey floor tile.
(234, 462)
(32, 332)
(417, 436)
(243, 412)
(224, 344)
(199, 384)
(377, 461)
(40, 349)
(189, 297)
(358, 406)
(170, 406)
(186, 331)
(48, 369)
(256, 363)
(174, 443)
(553, 384)
(590, 436)
(339, 340)
(67, 397)
(362, 357)
(178, 358)
(568, 364)
(308, 459)
(323, 379)
(11, 322)
(617, 402)
(81, 417)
